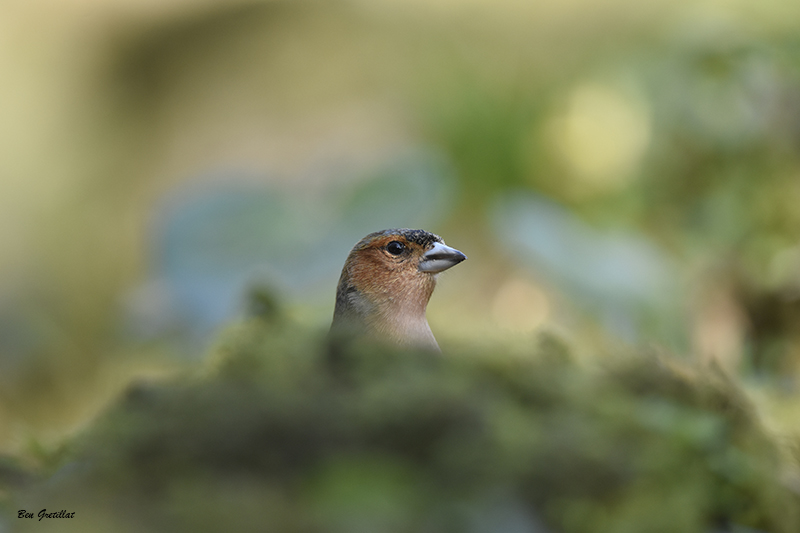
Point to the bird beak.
(439, 258)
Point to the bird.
(386, 283)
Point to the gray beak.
(439, 258)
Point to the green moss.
(287, 433)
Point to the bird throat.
(392, 315)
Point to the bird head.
(386, 283)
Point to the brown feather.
(386, 296)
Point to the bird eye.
(395, 248)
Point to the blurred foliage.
(625, 173)
(285, 432)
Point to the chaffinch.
(386, 283)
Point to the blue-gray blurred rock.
(616, 274)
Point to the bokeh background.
(620, 173)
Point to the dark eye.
(395, 248)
